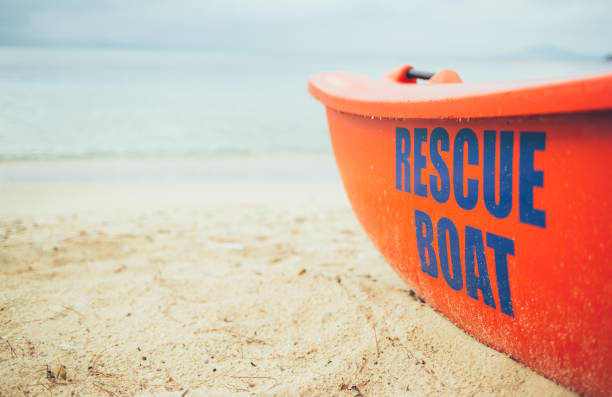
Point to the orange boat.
(493, 201)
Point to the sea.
(60, 104)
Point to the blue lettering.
(473, 282)
(420, 161)
(503, 247)
(476, 270)
(506, 139)
(465, 135)
(497, 191)
(439, 194)
(530, 178)
(424, 243)
(447, 227)
(402, 156)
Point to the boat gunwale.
(598, 112)
(385, 98)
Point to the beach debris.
(363, 364)
(231, 245)
(120, 269)
(31, 347)
(375, 339)
(414, 296)
(302, 271)
(56, 372)
(5, 338)
(67, 347)
(258, 341)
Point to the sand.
(205, 288)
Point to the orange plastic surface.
(559, 273)
(390, 98)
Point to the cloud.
(472, 26)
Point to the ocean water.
(67, 103)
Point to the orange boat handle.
(407, 75)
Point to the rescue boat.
(493, 202)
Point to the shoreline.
(231, 167)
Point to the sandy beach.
(264, 286)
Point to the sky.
(474, 27)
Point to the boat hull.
(502, 224)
